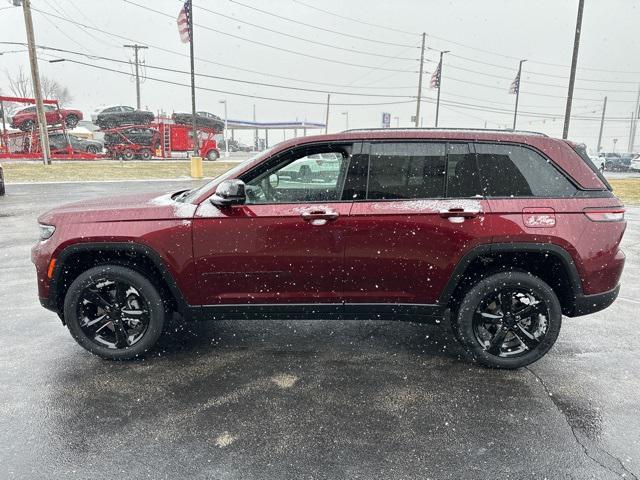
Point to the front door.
(286, 244)
(422, 212)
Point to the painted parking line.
(629, 300)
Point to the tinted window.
(463, 179)
(127, 109)
(515, 171)
(406, 170)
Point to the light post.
(346, 115)
(226, 140)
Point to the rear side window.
(463, 179)
(516, 171)
(406, 170)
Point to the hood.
(147, 206)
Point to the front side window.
(406, 170)
(517, 171)
(307, 177)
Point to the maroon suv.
(502, 233)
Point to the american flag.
(515, 85)
(435, 78)
(184, 20)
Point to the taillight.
(605, 214)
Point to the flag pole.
(515, 111)
(439, 85)
(196, 141)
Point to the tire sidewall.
(155, 304)
(470, 302)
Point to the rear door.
(421, 212)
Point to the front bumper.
(586, 304)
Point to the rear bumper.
(586, 304)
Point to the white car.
(635, 165)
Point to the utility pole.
(326, 117)
(439, 85)
(574, 63)
(424, 36)
(515, 111)
(137, 47)
(255, 133)
(604, 110)
(194, 126)
(634, 123)
(346, 114)
(35, 81)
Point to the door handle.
(319, 217)
(459, 214)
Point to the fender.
(496, 248)
(120, 247)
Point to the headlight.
(46, 231)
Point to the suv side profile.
(502, 233)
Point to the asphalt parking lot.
(306, 399)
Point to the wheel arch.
(78, 258)
(552, 263)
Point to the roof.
(289, 125)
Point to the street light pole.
(515, 111)
(604, 110)
(35, 81)
(226, 138)
(574, 63)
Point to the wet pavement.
(306, 399)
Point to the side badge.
(539, 217)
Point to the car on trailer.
(26, 118)
(60, 142)
(118, 115)
(203, 119)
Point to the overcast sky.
(486, 38)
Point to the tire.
(131, 294)
(608, 166)
(71, 121)
(26, 125)
(92, 149)
(212, 155)
(127, 154)
(485, 320)
(145, 154)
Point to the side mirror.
(229, 192)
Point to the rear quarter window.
(517, 171)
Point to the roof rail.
(444, 129)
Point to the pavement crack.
(577, 437)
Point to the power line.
(335, 32)
(268, 45)
(204, 60)
(288, 35)
(384, 27)
(216, 77)
(226, 92)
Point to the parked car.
(2, 189)
(321, 167)
(234, 146)
(615, 161)
(26, 118)
(500, 232)
(635, 165)
(58, 143)
(203, 119)
(118, 115)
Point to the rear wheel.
(145, 154)
(92, 149)
(509, 320)
(128, 154)
(71, 121)
(114, 312)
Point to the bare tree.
(20, 86)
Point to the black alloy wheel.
(27, 125)
(71, 121)
(509, 320)
(92, 149)
(114, 312)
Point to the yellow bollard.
(197, 170)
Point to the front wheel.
(213, 155)
(509, 320)
(114, 312)
(71, 121)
